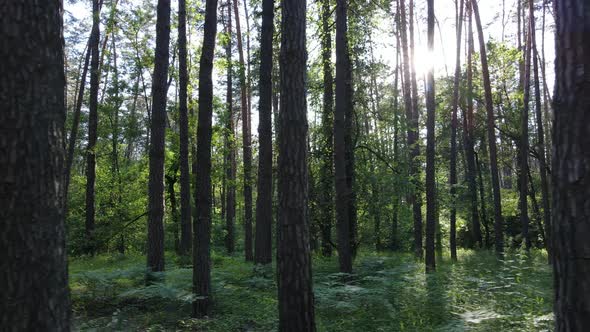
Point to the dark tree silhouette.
(35, 295)
(296, 302)
(202, 222)
(155, 238)
(571, 159)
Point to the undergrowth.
(388, 292)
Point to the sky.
(443, 57)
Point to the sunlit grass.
(388, 292)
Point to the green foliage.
(388, 292)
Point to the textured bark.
(340, 160)
(571, 163)
(524, 146)
(295, 294)
(541, 138)
(498, 222)
(92, 130)
(34, 277)
(230, 147)
(430, 167)
(246, 142)
(202, 222)
(185, 195)
(469, 136)
(263, 249)
(453, 156)
(155, 238)
(326, 190)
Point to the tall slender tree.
(453, 155)
(340, 161)
(430, 167)
(246, 141)
(540, 136)
(412, 134)
(469, 135)
(92, 129)
(185, 196)
(230, 161)
(491, 129)
(263, 242)
(76, 120)
(155, 238)
(35, 295)
(571, 157)
(326, 176)
(295, 293)
(202, 222)
(524, 145)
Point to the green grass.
(389, 292)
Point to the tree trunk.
(393, 241)
(491, 123)
(155, 245)
(326, 192)
(524, 146)
(185, 184)
(469, 136)
(571, 157)
(76, 120)
(202, 223)
(412, 139)
(230, 147)
(453, 156)
(246, 142)
(92, 131)
(415, 164)
(263, 250)
(295, 294)
(541, 138)
(430, 167)
(171, 180)
(340, 160)
(35, 295)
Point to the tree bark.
(246, 142)
(453, 156)
(185, 184)
(412, 134)
(295, 294)
(263, 249)
(92, 131)
(571, 160)
(326, 192)
(540, 138)
(340, 158)
(491, 124)
(155, 238)
(415, 164)
(430, 167)
(35, 295)
(469, 136)
(230, 147)
(202, 223)
(524, 145)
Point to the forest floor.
(389, 292)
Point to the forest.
(293, 165)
